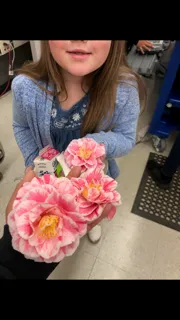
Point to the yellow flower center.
(84, 153)
(90, 186)
(48, 226)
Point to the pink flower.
(96, 190)
(86, 153)
(45, 223)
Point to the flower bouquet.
(51, 214)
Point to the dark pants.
(173, 161)
(13, 265)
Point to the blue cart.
(167, 113)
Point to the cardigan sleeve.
(22, 132)
(120, 140)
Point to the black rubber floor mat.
(153, 203)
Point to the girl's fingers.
(142, 50)
(149, 44)
(147, 47)
(29, 176)
(74, 173)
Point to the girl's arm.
(120, 140)
(22, 133)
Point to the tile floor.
(131, 247)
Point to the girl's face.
(80, 57)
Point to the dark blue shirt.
(66, 124)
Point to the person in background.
(163, 175)
(142, 45)
(165, 57)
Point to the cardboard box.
(50, 161)
(47, 162)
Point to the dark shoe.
(1, 155)
(1, 176)
(155, 171)
(160, 74)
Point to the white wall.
(36, 49)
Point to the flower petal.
(37, 210)
(49, 248)
(65, 186)
(87, 211)
(93, 194)
(57, 258)
(24, 227)
(37, 194)
(116, 198)
(79, 183)
(109, 184)
(95, 214)
(11, 221)
(23, 207)
(23, 246)
(35, 239)
(39, 259)
(68, 203)
(69, 232)
(70, 249)
(100, 151)
(77, 162)
(112, 213)
(15, 241)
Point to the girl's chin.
(79, 71)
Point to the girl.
(78, 88)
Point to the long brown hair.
(104, 81)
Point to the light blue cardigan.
(32, 113)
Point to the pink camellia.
(45, 223)
(96, 190)
(86, 153)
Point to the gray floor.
(131, 247)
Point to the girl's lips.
(79, 54)
(79, 51)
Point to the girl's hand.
(28, 169)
